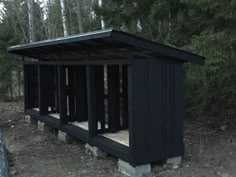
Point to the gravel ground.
(209, 152)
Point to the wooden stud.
(43, 89)
(125, 97)
(81, 111)
(71, 93)
(91, 99)
(113, 98)
(62, 94)
(100, 107)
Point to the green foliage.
(211, 88)
(11, 33)
(205, 27)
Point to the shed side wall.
(156, 113)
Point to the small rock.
(225, 175)
(14, 172)
(164, 166)
(218, 173)
(175, 167)
(69, 173)
(223, 127)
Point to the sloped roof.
(104, 44)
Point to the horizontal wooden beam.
(83, 62)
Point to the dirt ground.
(210, 152)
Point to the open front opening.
(105, 88)
(91, 97)
(31, 87)
(115, 102)
(48, 90)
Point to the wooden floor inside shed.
(121, 136)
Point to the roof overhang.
(105, 44)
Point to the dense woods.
(205, 27)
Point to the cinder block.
(94, 151)
(64, 137)
(43, 127)
(129, 170)
(174, 162)
(30, 121)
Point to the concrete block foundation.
(43, 127)
(64, 137)
(94, 151)
(30, 121)
(129, 170)
(174, 162)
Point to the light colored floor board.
(84, 125)
(36, 109)
(55, 115)
(121, 137)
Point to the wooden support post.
(71, 94)
(31, 86)
(43, 89)
(91, 99)
(125, 97)
(113, 98)
(51, 88)
(100, 107)
(62, 94)
(35, 87)
(26, 87)
(81, 112)
(56, 93)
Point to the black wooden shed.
(113, 90)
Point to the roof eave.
(157, 47)
(62, 40)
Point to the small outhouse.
(116, 91)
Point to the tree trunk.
(102, 21)
(30, 5)
(63, 15)
(79, 15)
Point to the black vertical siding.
(179, 105)
(81, 112)
(71, 93)
(46, 77)
(91, 99)
(43, 90)
(125, 123)
(31, 86)
(113, 98)
(62, 93)
(157, 110)
(100, 107)
(138, 111)
(26, 88)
